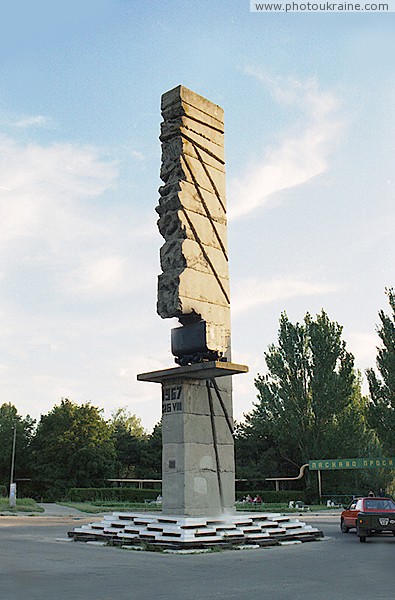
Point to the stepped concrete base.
(265, 529)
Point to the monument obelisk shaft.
(192, 210)
(198, 474)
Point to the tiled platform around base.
(172, 531)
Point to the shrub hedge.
(115, 494)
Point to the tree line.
(74, 446)
(309, 405)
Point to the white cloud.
(138, 155)
(40, 184)
(78, 278)
(55, 219)
(100, 275)
(103, 275)
(253, 292)
(301, 155)
(24, 122)
(32, 121)
(140, 364)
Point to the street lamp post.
(12, 498)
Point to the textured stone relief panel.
(194, 106)
(192, 213)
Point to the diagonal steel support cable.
(227, 418)
(214, 431)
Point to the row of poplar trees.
(310, 406)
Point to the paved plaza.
(38, 562)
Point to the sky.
(309, 103)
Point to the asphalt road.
(37, 562)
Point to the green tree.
(255, 454)
(73, 446)
(309, 402)
(139, 454)
(129, 438)
(151, 455)
(129, 421)
(382, 389)
(9, 418)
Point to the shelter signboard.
(328, 464)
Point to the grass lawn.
(102, 506)
(25, 505)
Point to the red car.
(370, 504)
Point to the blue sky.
(309, 104)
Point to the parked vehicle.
(369, 515)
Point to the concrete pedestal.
(198, 472)
(198, 480)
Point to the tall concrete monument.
(197, 424)
(198, 473)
